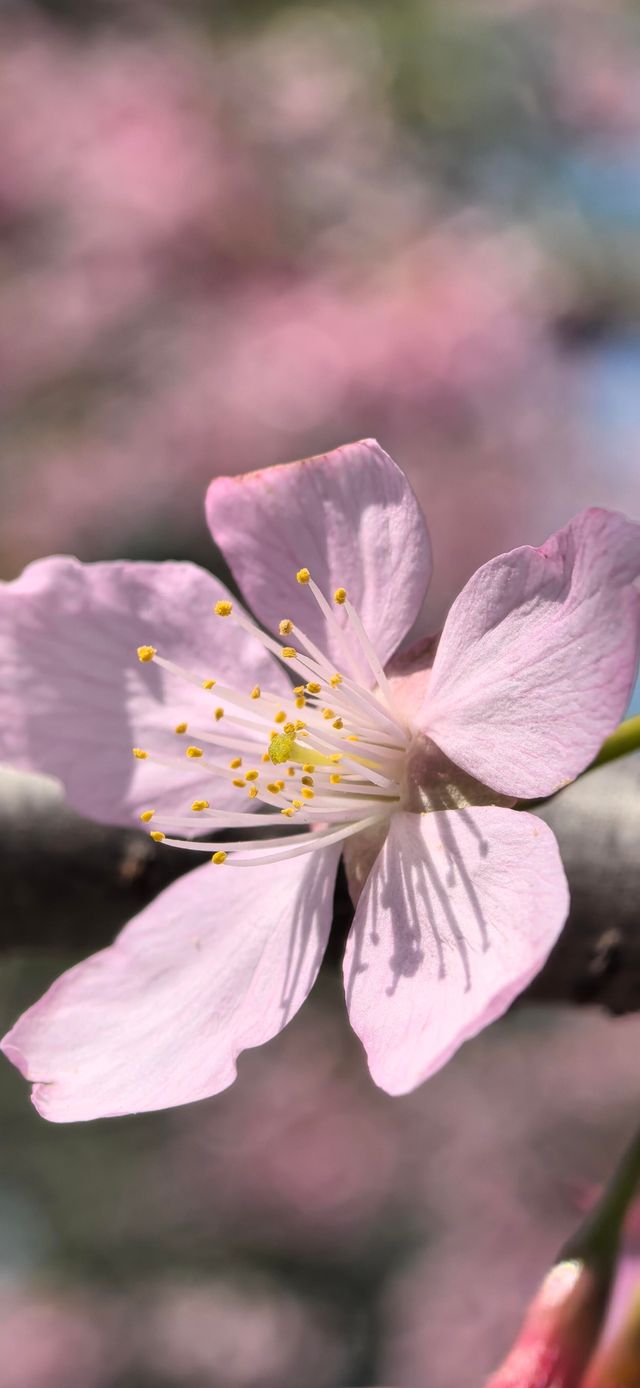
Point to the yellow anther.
(308, 767)
(146, 653)
(255, 692)
(328, 713)
(297, 804)
(299, 689)
(337, 723)
(280, 785)
(219, 713)
(219, 857)
(181, 727)
(335, 780)
(235, 763)
(285, 627)
(340, 596)
(289, 728)
(300, 702)
(265, 755)
(299, 724)
(335, 680)
(147, 815)
(252, 792)
(352, 738)
(223, 608)
(208, 684)
(303, 575)
(273, 787)
(313, 687)
(280, 716)
(288, 811)
(239, 782)
(138, 752)
(307, 794)
(307, 780)
(200, 805)
(288, 652)
(195, 752)
(251, 775)
(335, 757)
(157, 835)
(291, 771)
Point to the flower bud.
(563, 1323)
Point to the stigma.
(330, 756)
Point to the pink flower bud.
(559, 1331)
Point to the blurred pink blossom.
(54, 1340)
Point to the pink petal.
(459, 913)
(351, 518)
(220, 961)
(75, 699)
(538, 657)
(409, 674)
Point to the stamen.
(330, 804)
(290, 847)
(369, 653)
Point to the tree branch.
(69, 885)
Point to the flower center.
(332, 755)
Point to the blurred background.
(233, 233)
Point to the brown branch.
(597, 824)
(67, 884)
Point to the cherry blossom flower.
(411, 764)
